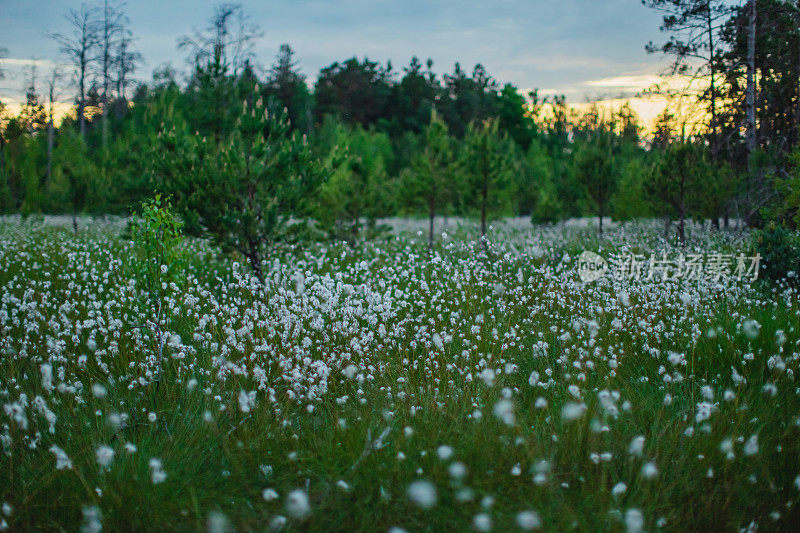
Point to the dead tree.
(79, 46)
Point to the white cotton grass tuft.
(619, 489)
(634, 521)
(157, 474)
(649, 470)
(269, 495)
(572, 411)
(99, 391)
(528, 520)
(246, 400)
(277, 523)
(104, 456)
(47, 377)
(63, 462)
(504, 410)
(422, 493)
(751, 328)
(297, 504)
(704, 410)
(217, 522)
(91, 520)
(444, 452)
(636, 447)
(482, 522)
(751, 446)
(457, 470)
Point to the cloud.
(20, 62)
(637, 83)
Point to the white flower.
(91, 520)
(487, 375)
(297, 504)
(457, 470)
(269, 495)
(482, 522)
(751, 446)
(99, 391)
(104, 456)
(157, 474)
(444, 452)
(277, 523)
(246, 400)
(504, 410)
(423, 493)
(217, 522)
(649, 470)
(62, 461)
(703, 412)
(47, 377)
(572, 411)
(750, 328)
(619, 489)
(634, 521)
(529, 520)
(637, 446)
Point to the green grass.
(377, 307)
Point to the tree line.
(244, 150)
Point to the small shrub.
(780, 253)
(157, 265)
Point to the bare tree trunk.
(51, 137)
(2, 156)
(600, 218)
(432, 216)
(682, 213)
(51, 130)
(255, 260)
(484, 200)
(82, 101)
(712, 82)
(750, 109)
(109, 27)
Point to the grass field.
(379, 386)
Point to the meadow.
(386, 387)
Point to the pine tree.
(430, 181)
(487, 162)
(242, 189)
(594, 169)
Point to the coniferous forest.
(387, 141)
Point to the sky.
(579, 48)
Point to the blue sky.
(581, 48)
